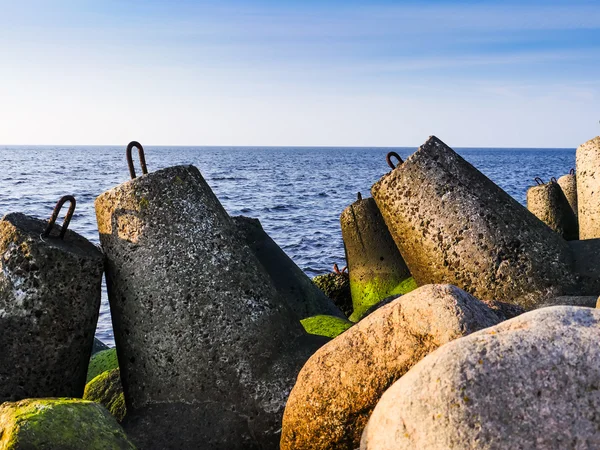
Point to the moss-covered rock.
(107, 390)
(336, 286)
(102, 362)
(322, 325)
(372, 290)
(59, 424)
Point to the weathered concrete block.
(588, 188)
(586, 264)
(342, 382)
(549, 204)
(375, 266)
(530, 382)
(107, 390)
(453, 225)
(208, 351)
(303, 297)
(49, 306)
(568, 184)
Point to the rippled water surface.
(297, 193)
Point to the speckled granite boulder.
(549, 204)
(454, 225)
(49, 306)
(341, 383)
(208, 350)
(107, 390)
(302, 296)
(59, 424)
(102, 362)
(336, 286)
(588, 187)
(375, 266)
(529, 382)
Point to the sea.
(298, 193)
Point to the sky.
(299, 72)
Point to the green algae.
(59, 423)
(102, 362)
(323, 325)
(107, 390)
(144, 203)
(365, 295)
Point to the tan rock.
(341, 383)
(549, 204)
(528, 383)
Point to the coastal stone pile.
(442, 332)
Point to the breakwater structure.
(455, 298)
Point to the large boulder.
(530, 382)
(341, 383)
(107, 390)
(59, 424)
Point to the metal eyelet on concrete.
(56, 212)
(137, 145)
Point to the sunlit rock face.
(453, 225)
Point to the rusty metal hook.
(538, 180)
(137, 145)
(337, 270)
(553, 180)
(57, 208)
(572, 172)
(359, 196)
(388, 158)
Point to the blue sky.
(299, 72)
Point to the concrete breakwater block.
(548, 203)
(301, 294)
(49, 306)
(586, 264)
(208, 350)
(454, 225)
(527, 383)
(588, 188)
(375, 266)
(568, 184)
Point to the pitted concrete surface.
(568, 184)
(453, 225)
(49, 306)
(301, 294)
(375, 265)
(588, 188)
(201, 333)
(549, 204)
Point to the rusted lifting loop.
(538, 180)
(553, 180)
(337, 270)
(137, 145)
(388, 158)
(359, 196)
(572, 172)
(57, 208)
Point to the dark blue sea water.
(297, 193)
